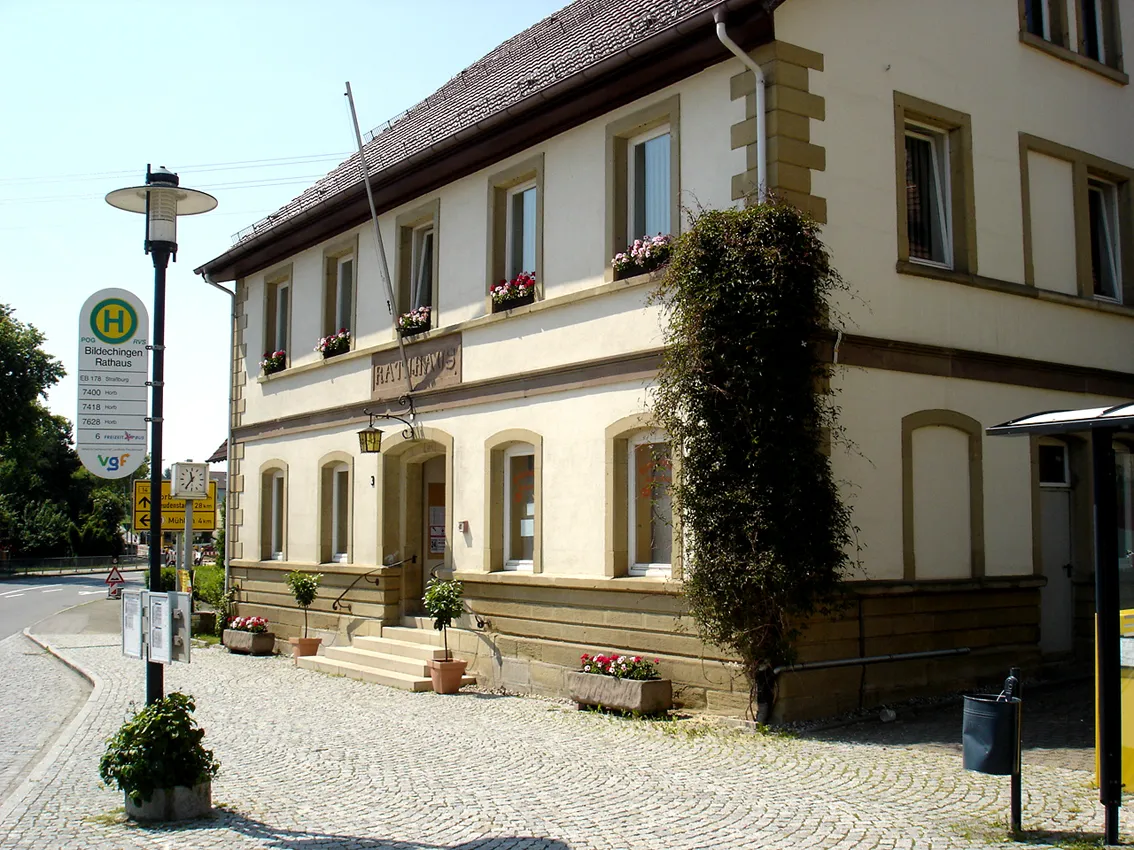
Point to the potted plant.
(645, 255)
(274, 361)
(516, 292)
(304, 587)
(415, 321)
(335, 344)
(158, 761)
(624, 682)
(249, 635)
(443, 602)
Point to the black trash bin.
(990, 734)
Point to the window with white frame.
(421, 269)
(928, 202)
(649, 505)
(277, 497)
(344, 292)
(648, 191)
(1102, 208)
(340, 513)
(521, 229)
(519, 507)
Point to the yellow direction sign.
(173, 510)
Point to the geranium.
(274, 361)
(643, 256)
(415, 320)
(256, 625)
(508, 291)
(620, 666)
(334, 344)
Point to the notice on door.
(436, 526)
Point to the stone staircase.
(398, 659)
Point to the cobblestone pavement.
(312, 761)
(38, 695)
(1058, 728)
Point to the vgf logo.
(112, 463)
(114, 321)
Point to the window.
(649, 505)
(273, 513)
(1091, 30)
(339, 286)
(648, 191)
(934, 180)
(513, 487)
(1102, 208)
(1090, 36)
(417, 261)
(521, 229)
(277, 310)
(335, 510)
(1054, 465)
(643, 177)
(515, 224)
(1046, 19)
(927, 196)
(519, 507)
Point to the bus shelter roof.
(1120, 417)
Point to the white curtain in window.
(651, 187)
(523, 232)
(282, 295)
(346, 276)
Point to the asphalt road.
(24, 601)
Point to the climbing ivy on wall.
(741, 392)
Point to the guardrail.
(68, 566)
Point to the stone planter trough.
(249, 642)
(649, 696)
(180, 803)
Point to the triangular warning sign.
(115, 577)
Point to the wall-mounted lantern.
(370, 438)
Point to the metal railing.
(338, 604)
(77, 565)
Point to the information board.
(160, 626)
(173, 510)
(132, 601)
(114, 363)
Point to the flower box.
(642, 696)
(274, 361)
(406, 332)
(251, 643)
(334, 345)
(502, 306)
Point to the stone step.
(419, 622)
(365, 673)
(378, 660)
(404, 648)
(428, 636)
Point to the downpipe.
(761, 118)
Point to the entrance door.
(1056, 599)
(433, 541)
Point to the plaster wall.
(1053, 222)
(968, 57)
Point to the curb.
(66, 737)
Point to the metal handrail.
(346, 605)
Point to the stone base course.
(309, 760)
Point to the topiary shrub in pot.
(158, 761)
(443, 601)
(304, 588)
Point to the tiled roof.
(220, 455)
(574, 38)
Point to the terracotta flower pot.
(446, 675)
(304, 646)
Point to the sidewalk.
(315, 761)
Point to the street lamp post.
(161, 200)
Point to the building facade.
(972, 168)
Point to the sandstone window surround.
(633, 519)
(336, 509)
(340, 286)
(1103, 203)
(277, 311)
(273, 511)
(643, 175)
(1094, 43)
(935, 186)
(515, 224)
(513, 495)
(418, 272)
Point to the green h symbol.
(118, 319)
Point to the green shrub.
(159, 747)
(443, 601)
(304, 587)
(168, 579)
(208, 584)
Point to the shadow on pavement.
(288, 839)
(1058, 727)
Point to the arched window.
(649, 509)
(513, 496)
(273, 512)
(335, 511)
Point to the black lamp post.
(161, 200)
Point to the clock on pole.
(191, 480)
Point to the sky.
(242, 98)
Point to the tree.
(26, 373)
(741, 393)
